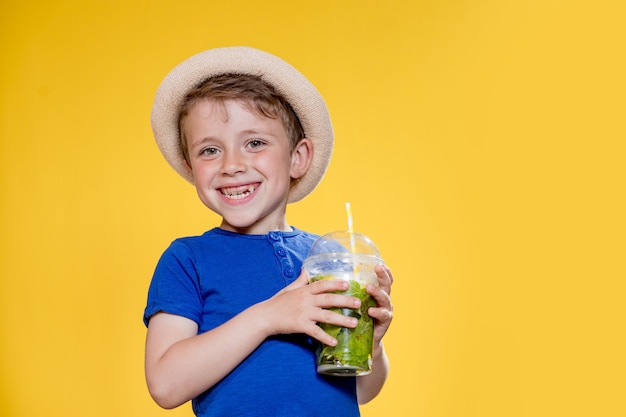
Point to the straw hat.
(303, 97)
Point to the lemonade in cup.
(351, 257)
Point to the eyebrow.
(246, 132)
(255, 132)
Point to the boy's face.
(242, 165)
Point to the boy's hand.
(383, 312)
(300, 306)
(370, 385)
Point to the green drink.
(353, 353)
(350, 257)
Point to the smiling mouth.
(238, 193)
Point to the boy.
(231, 320)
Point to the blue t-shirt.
(213, 277)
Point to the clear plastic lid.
(344, 242)
(343, 255)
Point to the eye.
(255, 143)
(209, 151)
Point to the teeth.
(238, 192)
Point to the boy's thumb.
(301, 281)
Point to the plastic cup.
(351, 257)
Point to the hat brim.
(303, 97)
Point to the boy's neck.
(255, 229)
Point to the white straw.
(350, 226)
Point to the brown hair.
(261, 98)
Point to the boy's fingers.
(329, 285)
(382, 297)
(316, 332)
(385, 278)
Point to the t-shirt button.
(288, 272)
(281, 252)
(274, 236)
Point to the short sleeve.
(174, 288)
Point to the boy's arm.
(180, 364)
(368, 386)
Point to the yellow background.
(480, 142)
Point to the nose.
(233, 162)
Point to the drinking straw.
(350, 226)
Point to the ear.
(187, 165)
(301, 158)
